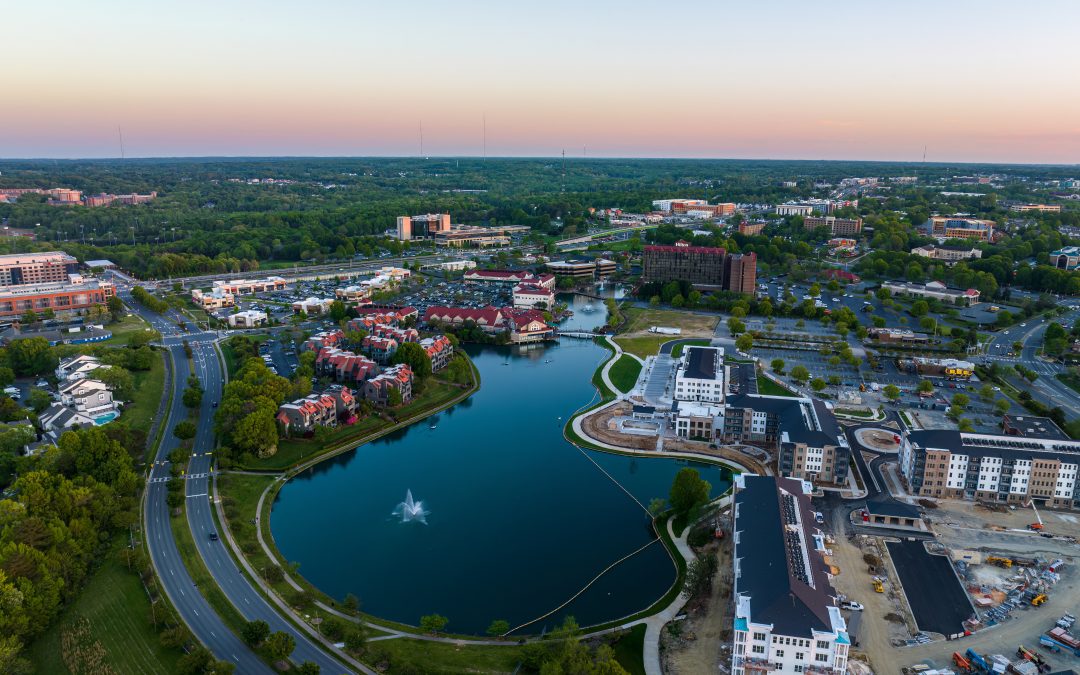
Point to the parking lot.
(937, 600)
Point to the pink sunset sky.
(971, 81)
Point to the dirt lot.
(600, 426)
(707, 627)
(965, 526)
(638, 322)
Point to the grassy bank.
(201, 576)
(644, 345)
(624, 373)
(149, 390)
(677, 350)
(630, 650)
(767, 387)
(232, 361)
(118, 609)
(123, 329)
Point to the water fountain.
(410, 510)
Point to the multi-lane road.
(188, 600)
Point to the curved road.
(189, 602)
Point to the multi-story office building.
(949, 254)
(422, 227)
(59, 297)
(837, 226)
(786, 618)
(1067, 258)
(582, 269)
(952, 227)
(1033, 461)
(751, 227)
(697, 208)
(36, 268)
(700, 375)
(1042, 208)
(703, 266)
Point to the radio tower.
(421, 139)
(120, 133)
(562, 188)
(485, 134)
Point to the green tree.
(744, 343)
(777, 366)
(184, 430)
(920, 308)
(280, 645)
(892, 392)
(688, 491)
(961, 401)
(338, 311)
(699, 575)
(115, 306)
(355, 640)
(254, 632)
(416, 357)
(800, 374)
(307, 668)
(433, 623)
(736, 326)
(31, 356)
(1002, 406)
(351, 603)
(818, 384)
(965, 425)
(926, 387)
(39, 400)
(498, 628)
(118, 379)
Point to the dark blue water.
(520, 520)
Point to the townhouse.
(343, 366)
(336, 403)
(395, 378)
(77, 367)
(88, 396)
(439, 349)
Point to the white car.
(1023, 325)
(836, 299)
(852, 605)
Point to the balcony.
(758, 665)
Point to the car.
(852, 606)
(214, 404)
(213, 536)
(819, 518)
(41, 383)
(1023, 325)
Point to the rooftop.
(701, 363)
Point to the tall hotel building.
(17, 269)
(704, 266)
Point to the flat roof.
(1036, 427)
(701, 363)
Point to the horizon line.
(105, 158)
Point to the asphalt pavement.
(193, 608)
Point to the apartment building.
(794, 209)
(934, 290)
(704, 266)
(396, 378)
(786, 618)
(60, 297)
(750, 228)
(380, 349)
(439, 349)
(953, 227)
(336, 403)
(530, 295)
(837, 226)
(949, 254)
(1038, 465)
(695, 208)
(87, 396)
(344, 366)
(323, 339)
(36, 268)
(77, 367)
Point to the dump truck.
(878, 586)
(960, 662)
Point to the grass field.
(629, 650)
(643, 345)
(638, 321)
(767, 387)
(122, 329)
(1072, 381)
(624, 373)
(149, 388)
(422, 656)
(117, 608)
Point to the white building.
(214, 299)
(87, 396)
(527, 296)
(247, 319)
(77, 367)
(935, 290)
(312, 306)
(794, 209)
(700, 375)
(786, 618)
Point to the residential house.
(88, 396)
(322, 340)
(343, 366)
(77, 367)
(439, 350)
(399, 378)
(379, 348)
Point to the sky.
(986, 80)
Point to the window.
(759, 649)
(779, 653)
(821, 657)
(798, 669)
(759, 636)
(800, 656)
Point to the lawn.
(1071, 380)
(644, 345)
(149, 389)
(114, 602)
(123, 329)
(630, 650)
(693, 325)
(232, 363)
(677, 350)
(624, 373)
(422, 656)
(767, 387)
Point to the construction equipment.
(1049, 645)
(960, 662)
(1037, 526)
(1039, 599)
(878, 586)
(999, 561)
(1034, 657)
(977, 661)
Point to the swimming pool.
(106, 418)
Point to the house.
(843, 276)
(343, 366)
(400, 314)
(88, 396)
(488, 319)
(249, 318)
(379, 348)
(527, 325)
(57, 418)
(402, 335)
(77, 367)
(399, 378)
(439, 350)
(318, 410)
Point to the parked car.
(851, 605)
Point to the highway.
(304, 271)
(189, 602)
(1047, 388)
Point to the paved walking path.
(606, 370)
(655, 623)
